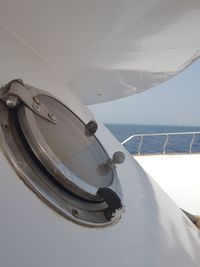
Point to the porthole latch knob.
(91, 128)
(118, 158)
(114, 202)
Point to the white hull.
(102, 50)
(152, 232)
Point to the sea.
(154, 145)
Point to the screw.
(75, 212)
(12, 101)
(52, 117)
(5, 127)
(36, 107)
(37, 100)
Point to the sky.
(175, 102)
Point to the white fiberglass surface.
(102, 49)
(152, 232)
(178, 175)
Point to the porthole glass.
(77, 160)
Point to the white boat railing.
(192, 135)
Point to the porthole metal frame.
(80, 211)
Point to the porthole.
(59, 157)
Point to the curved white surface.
(101, 49)
(178, 175)
(152, 232)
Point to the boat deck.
(178, 175)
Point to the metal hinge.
(16, 91)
